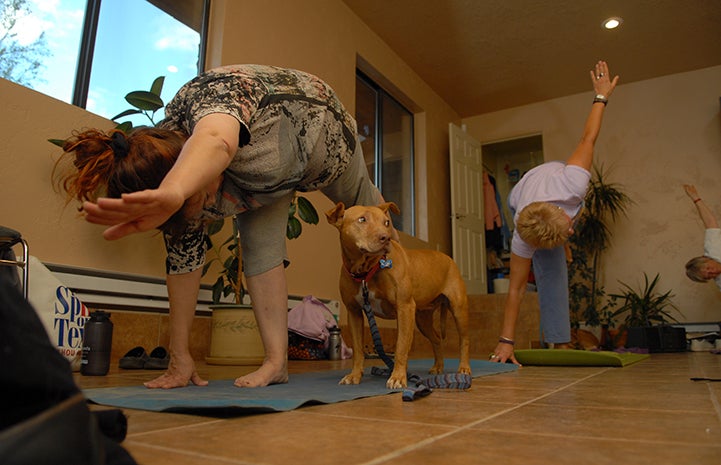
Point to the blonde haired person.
(708, 266)
(543, 225)
(544, 203)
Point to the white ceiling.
(487, 55)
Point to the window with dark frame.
(385, 129)
(92, 52)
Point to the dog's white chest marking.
(372, 300)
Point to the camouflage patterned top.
(295, 136)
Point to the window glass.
(39, 44)
(385, 129)
(135, 42)
(366, 119)
(397, 185)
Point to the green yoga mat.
(220, 397)
(568, 357)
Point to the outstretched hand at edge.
(133, 213)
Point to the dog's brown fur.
(583, 340)
(417, 283)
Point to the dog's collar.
(364, 277)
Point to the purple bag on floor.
(308, 325)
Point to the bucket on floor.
(234, 336)
(501, 285)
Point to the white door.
(467, 222)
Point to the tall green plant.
(604, 203)
(228, 254)
(143, 102)
(646, 306)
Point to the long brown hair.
(113, 163)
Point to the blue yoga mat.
(220, 396)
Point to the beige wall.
(657, 135)
(319, 36)
(29, 203)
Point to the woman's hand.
(707, 216)
(134, 212)
(502, 353)
(691, 191)
(601, 79)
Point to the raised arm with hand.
(707, 216)
(553, 280)
(603, 85)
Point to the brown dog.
(417, 283)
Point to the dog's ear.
(390, 206)
(335, 214)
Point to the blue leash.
(423, 387)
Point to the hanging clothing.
(492, 214)
(505, 231)
(491, 211)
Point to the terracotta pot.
(234, 336)
(619, 337)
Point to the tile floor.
(646, 413)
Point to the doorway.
(505, 162)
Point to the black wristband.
(505, 340)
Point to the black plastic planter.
(661, 338)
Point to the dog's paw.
(396, 383)
(436, 370)
(466, 370)
(351, 378)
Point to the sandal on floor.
(158, 360)
(134, 360)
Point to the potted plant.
(603, 204)
(228, 253)
(646, 315)
(235, 339)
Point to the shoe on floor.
(158, 360)
(134, 360)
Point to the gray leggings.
(262, 231)
(551, 272)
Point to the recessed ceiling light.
(612, 23)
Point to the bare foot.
(181, 372)
(268, 373)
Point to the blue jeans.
(551, 272)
